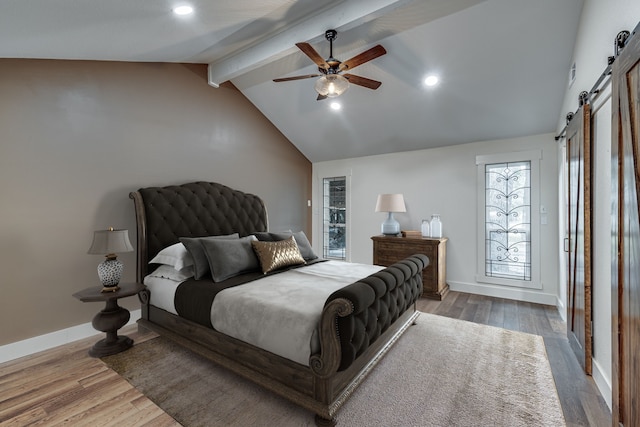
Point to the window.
(508, 220)
(508, 231)
(335, 218)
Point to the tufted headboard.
(196, 209)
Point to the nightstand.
(111, 318)
(390, 249)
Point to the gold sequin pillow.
(275, 255)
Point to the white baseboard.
(519, 294)
(54, 339)
(561, 309)
(602, 382)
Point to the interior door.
(626, 235)
(579, 221)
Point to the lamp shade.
(110, 242)
(331, 85)
(390, 203)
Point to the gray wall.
(77, 136)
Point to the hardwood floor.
(580, 399)
(64, 386)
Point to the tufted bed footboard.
(359, 324)
(358, 314)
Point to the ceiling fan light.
(431, 80)
(183, 10)
(331, 85)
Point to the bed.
(358, 321)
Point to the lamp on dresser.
(108, 243)
(390, 203)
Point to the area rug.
(442, 372)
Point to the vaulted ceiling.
(503, 64)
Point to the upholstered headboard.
(196, 209)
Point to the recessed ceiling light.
(431, 80)
(335, 106)
(183, 10)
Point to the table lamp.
(108, 243)
(390, 203)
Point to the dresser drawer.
(389, 250)
(396, 251)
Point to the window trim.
(533, 156)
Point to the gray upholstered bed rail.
(377, 301)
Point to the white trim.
(602, 382)
(519, 294)
(561, 308)
(53, 339)
(514, 156)
(348, 216)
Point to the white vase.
(425, 228)
(436, 226)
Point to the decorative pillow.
(200, 262)
(275, 255)
(301, 239)
(228, 258)
(176, 256)
(168, 272)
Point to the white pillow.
(168, 272)
(176, 256)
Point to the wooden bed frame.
(198, 209)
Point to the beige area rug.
(442, 372)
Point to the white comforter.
(280, 313)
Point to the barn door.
(579, 220)
(626, 234)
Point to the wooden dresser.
(388, 250)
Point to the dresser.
(388, 250)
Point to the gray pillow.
(263, 236)
(301, 239)
(200, 261)
(228, 258)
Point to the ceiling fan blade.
(360, 59)
(308, 50)
(321, 97)
(286, 79)
(362, 81)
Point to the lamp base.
(390, 227)
(110, 272)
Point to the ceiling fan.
(331, 82)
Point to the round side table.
(111, 318)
